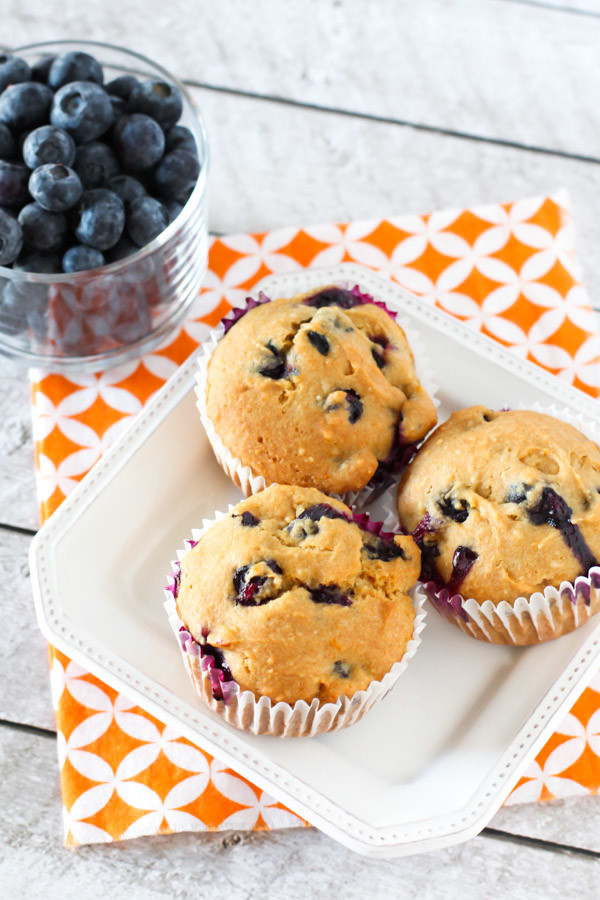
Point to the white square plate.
(431, 764)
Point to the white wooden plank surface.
(24, 671)
(502, 70)
(288, 864)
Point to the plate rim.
(273, 777)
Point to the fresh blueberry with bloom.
(100, 219)
(158, 99)
(139, 142)
(55, 187)
(127, 187)
(180, 138)
(146, 218)
(122, 86)
(37, 261)
(26, 105)
(48, 144)
(13, 70)
(80, 258)
(41, 69)
(13, 184)
(42, 230)
(83, 109)
(11, 238)
(176, 174)
(74, 66)
(8, 146)
(96, 164)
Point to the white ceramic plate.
(433, 762)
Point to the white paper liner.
(244, 476)
(542, 616)
(243, 710)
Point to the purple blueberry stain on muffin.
(463, 561)
(319, 341)
(455, 508)
(248, 520)
(552, 509)
(342, 669)
(330, 594)
(322, 511)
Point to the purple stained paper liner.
(210, 675)
(244, 476)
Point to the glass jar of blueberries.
(103, 204)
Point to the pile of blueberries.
(89, 172)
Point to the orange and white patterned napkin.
(507, 270)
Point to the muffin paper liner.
(244, 476)
(260, 716)
(542, 616)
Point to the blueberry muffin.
(503, 504)
(319, 390)
(294, 600)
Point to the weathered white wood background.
(317, 110)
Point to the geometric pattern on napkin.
(507, 270)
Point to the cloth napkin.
(508, 270)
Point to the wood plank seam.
(390, 120)
(539, 4)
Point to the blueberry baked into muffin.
(319, 390)
(503, 505)
(294, 600)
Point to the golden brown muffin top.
(300, 601)
(316, 391)
(503, 504)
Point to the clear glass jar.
(90, 320)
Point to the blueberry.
(176, 174)
(139, 142)
(342, 669)
(25, 105)
(80, 258)
(74, 66)
(249, 520)
(48, 144)
(146, 219)
(173, 208)
(41, 69)
(127, 187)
(333, 296)
(119, 106)
(8, 146)
(42, 263)
(319, 341)
(83, 109)
(13, 70)
(123, 248)
(11, 238)
(276, 365)
(122, 86)
(42, 230)
(329, 593)
(462, 563)
(100, 219)
(95, 163)
(455, 508)
(158, 99)
(180, 138)
(55, 187)
(13, 184)
(355, 406)
(322, 511)
(552, 509)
